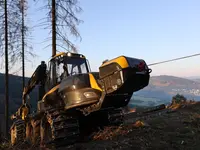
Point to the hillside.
(164, 87)
(15, 91)
(197, 80)
(178, 130)
(171, 82)
(172, 130)
(15, 94)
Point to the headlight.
(69, 54)
(90, 94)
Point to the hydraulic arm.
(38, 78)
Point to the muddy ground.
(177, 130)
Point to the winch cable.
(171, 60)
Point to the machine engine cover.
(124, 75)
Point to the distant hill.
(163, 88)
(197, 80)
(15, 88)
(15, 95)
(193, 77)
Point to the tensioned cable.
(174, 59)
(166, 62)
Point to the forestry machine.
(72, 98)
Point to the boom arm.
(38, 77)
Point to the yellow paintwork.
(93, 83)
(51, 91)
(13, 135)
(59, 54)
(121, 60)
(24, 112)
(64, 54)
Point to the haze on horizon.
(151, 30)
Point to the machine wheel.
(33, 132)
(18, 131)
(116, 117)
(59, 129)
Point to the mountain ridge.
(162, 88)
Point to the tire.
(59, 130)
(33, 132)
(18, 132)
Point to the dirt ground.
(178, 130)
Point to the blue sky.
(153, 30)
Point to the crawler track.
(18, 132)
(116, 117)
(64, 129)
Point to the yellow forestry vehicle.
(72, 98)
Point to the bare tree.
(23, 8)
(4, 38)
(11, 30)
(15, 29)
(6, 67)
(62, 22)
(2, 26)
(23, 2)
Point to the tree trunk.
(23, 65)
(53, 28)
(54, 38)
(6, 70)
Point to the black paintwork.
(74, 82)
(72, 90)
(78, 99)
(135, 78)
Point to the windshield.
(75, 65)
(67, 66)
